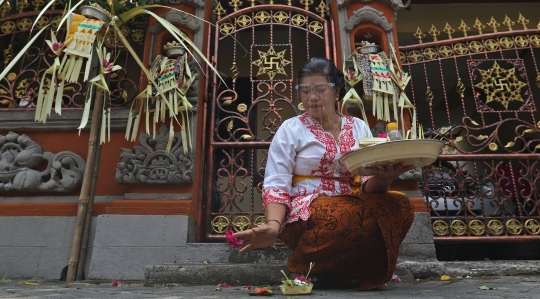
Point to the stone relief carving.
(368, 14)
(149, 163)
(177, 18)
(21, 159)
(196, 3)
(394, 4)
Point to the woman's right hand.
(259, 237)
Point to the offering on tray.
(300, 285)
(417, 152)
(363, 142)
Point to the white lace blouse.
(302, 147)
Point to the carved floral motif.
(149, 163)
(20, 159)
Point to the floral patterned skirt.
(353, 236)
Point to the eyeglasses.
(318, 89)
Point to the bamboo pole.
(87, 180)
(89, 211)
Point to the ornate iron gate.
(261, 47)
(477, 93)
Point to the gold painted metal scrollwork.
(532, 226)
(440, 228)
(464, 28)
(220, 224)
(8, 27)
(476, 46)
(419, 35)
(322, 9)
(262, 17)
(522, 21)
(477, 227)
(244, 21)
(56, 21)
(535, 40)
(458, 227)
(8, 55)
(316, 26)
(430, 53)
(461, 49)
(24, 24)
(501, 85)
(445, 51)
(429, 96)
(218, 11)
(521, 41)
(226, 28)
(507, 42)
(299, 20)
(281, 17)
(514, 227)
(491, 44)
(415, 56)
(234, 72)
(449, 30)
(495, 227)
(434, 32)
(259, 221)
(241, 223)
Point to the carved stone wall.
(149, 163)
(20, 159)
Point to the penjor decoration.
(173, 77)
(384, 83)
(85, 39)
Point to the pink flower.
(381, 135)
(347, 77)
(225, 285)
(395, 278)
(180, 84)
(56, 46)
(116, 283)
(301, 280)
(351, 73)
(247, 287)
(233, 241)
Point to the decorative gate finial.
(306, 3)
(322, 9)
(479, 26)
(493, 24)
(449, 30)
(464, 28)
(434, 32)
(522, 21)
(508, 23)
(235, 4)
(218, 11)
(419, 35)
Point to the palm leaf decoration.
(75, 52)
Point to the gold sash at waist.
(298, 178)
(355, 183)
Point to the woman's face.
(318, 96)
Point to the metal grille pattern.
(259, 48)
(477, 93)
(20, 87)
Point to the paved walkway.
(505, 287)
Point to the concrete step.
(214, 274)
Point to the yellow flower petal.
(445, 277)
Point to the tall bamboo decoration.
(73, 55)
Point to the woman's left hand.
(384, 176)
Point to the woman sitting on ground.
(307, 195)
